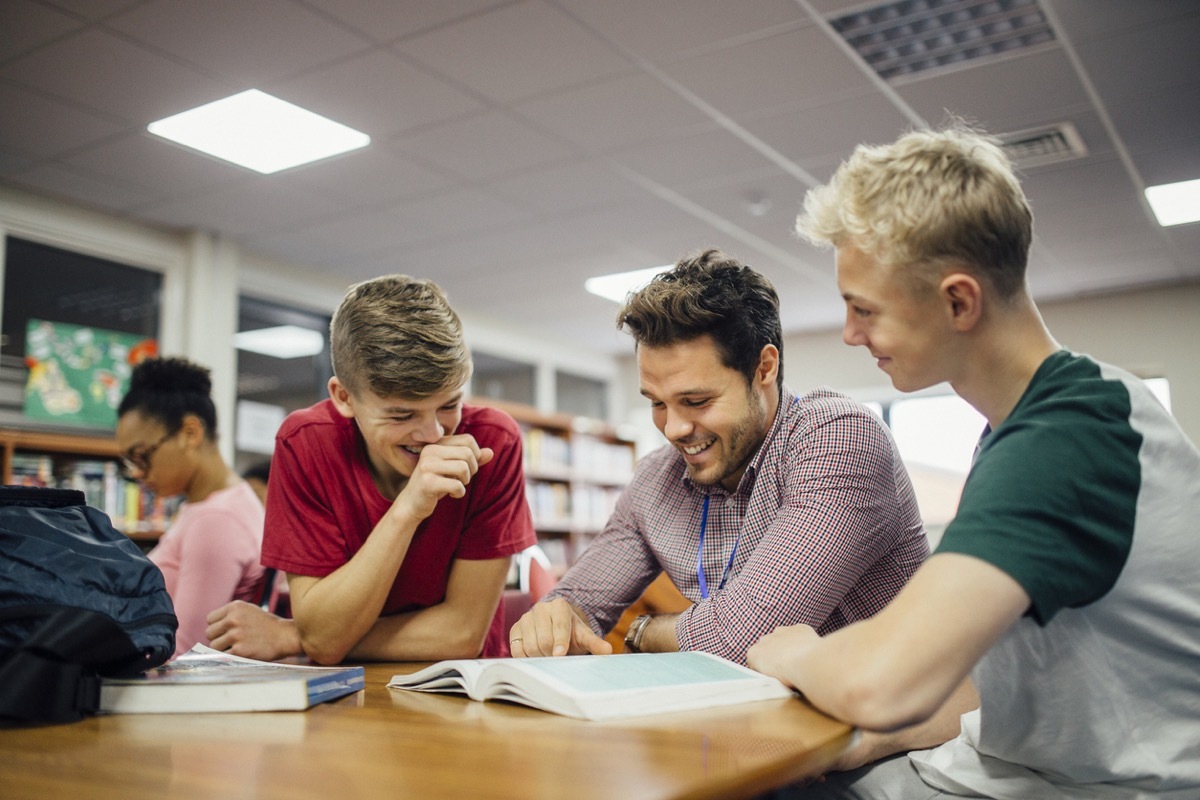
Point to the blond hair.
(398, 337)
(930, 200)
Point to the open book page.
(598, 687)
(456, 676)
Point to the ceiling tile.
(92, 191)
(93, 9)
(261, 203)
(250, 43)
(667, 28)
(158, 167)
(568, 187)
(371, 176)
(541, 49)
(25, 25)
(1145, 59)
(829, 130)
(584, 115)
(690, 158)
(11, 162)
(453, 215)
(1000, 90)
(385, 20)
(47, 128)
(379, 94)
(134, 84)
(483, 146)
(1158, 121)
(765, 204)
(803, 66)
(1088, 21)
(341, 236)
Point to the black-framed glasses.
(141, 461)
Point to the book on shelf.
(599, 687)
(205, 680)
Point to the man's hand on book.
(245, 630)
(555, 628)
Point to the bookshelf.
(575, 469)
(90, 464)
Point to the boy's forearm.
(938, 729)
(429, 634)
(335, 612)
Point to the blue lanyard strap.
(700, 555)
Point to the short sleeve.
(1051, 501)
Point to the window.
(936, 436)
(269, 387)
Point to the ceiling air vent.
(903, 39)
(1037, 147)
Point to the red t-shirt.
(322, 504)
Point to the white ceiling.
(520, 146)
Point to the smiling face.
(706, 410)
(396, 429)
(900, 322)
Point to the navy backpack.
(78, 601)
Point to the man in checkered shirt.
(765, 508)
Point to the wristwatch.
(633, 636)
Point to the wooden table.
(389, 743)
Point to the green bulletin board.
(78, 374)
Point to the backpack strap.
(52, 676)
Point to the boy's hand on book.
(245, 630)
(775, 653)
(555, 628)
(443, 470)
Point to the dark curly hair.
(168, 389)
(714, 294)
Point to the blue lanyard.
(700, 555)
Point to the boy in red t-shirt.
(393, 507)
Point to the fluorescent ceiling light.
(616, 287)
(258, 131)
(1175, 203)
(282, 341)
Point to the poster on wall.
(78, 374)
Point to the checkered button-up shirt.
(828, 525)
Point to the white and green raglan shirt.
(1089, 496)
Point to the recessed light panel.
(1175, 203)
(282, 341)
(260, 132)
(905, 38)
(616, 287)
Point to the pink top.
(209, 556)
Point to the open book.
(599, 687)
(207, 680)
